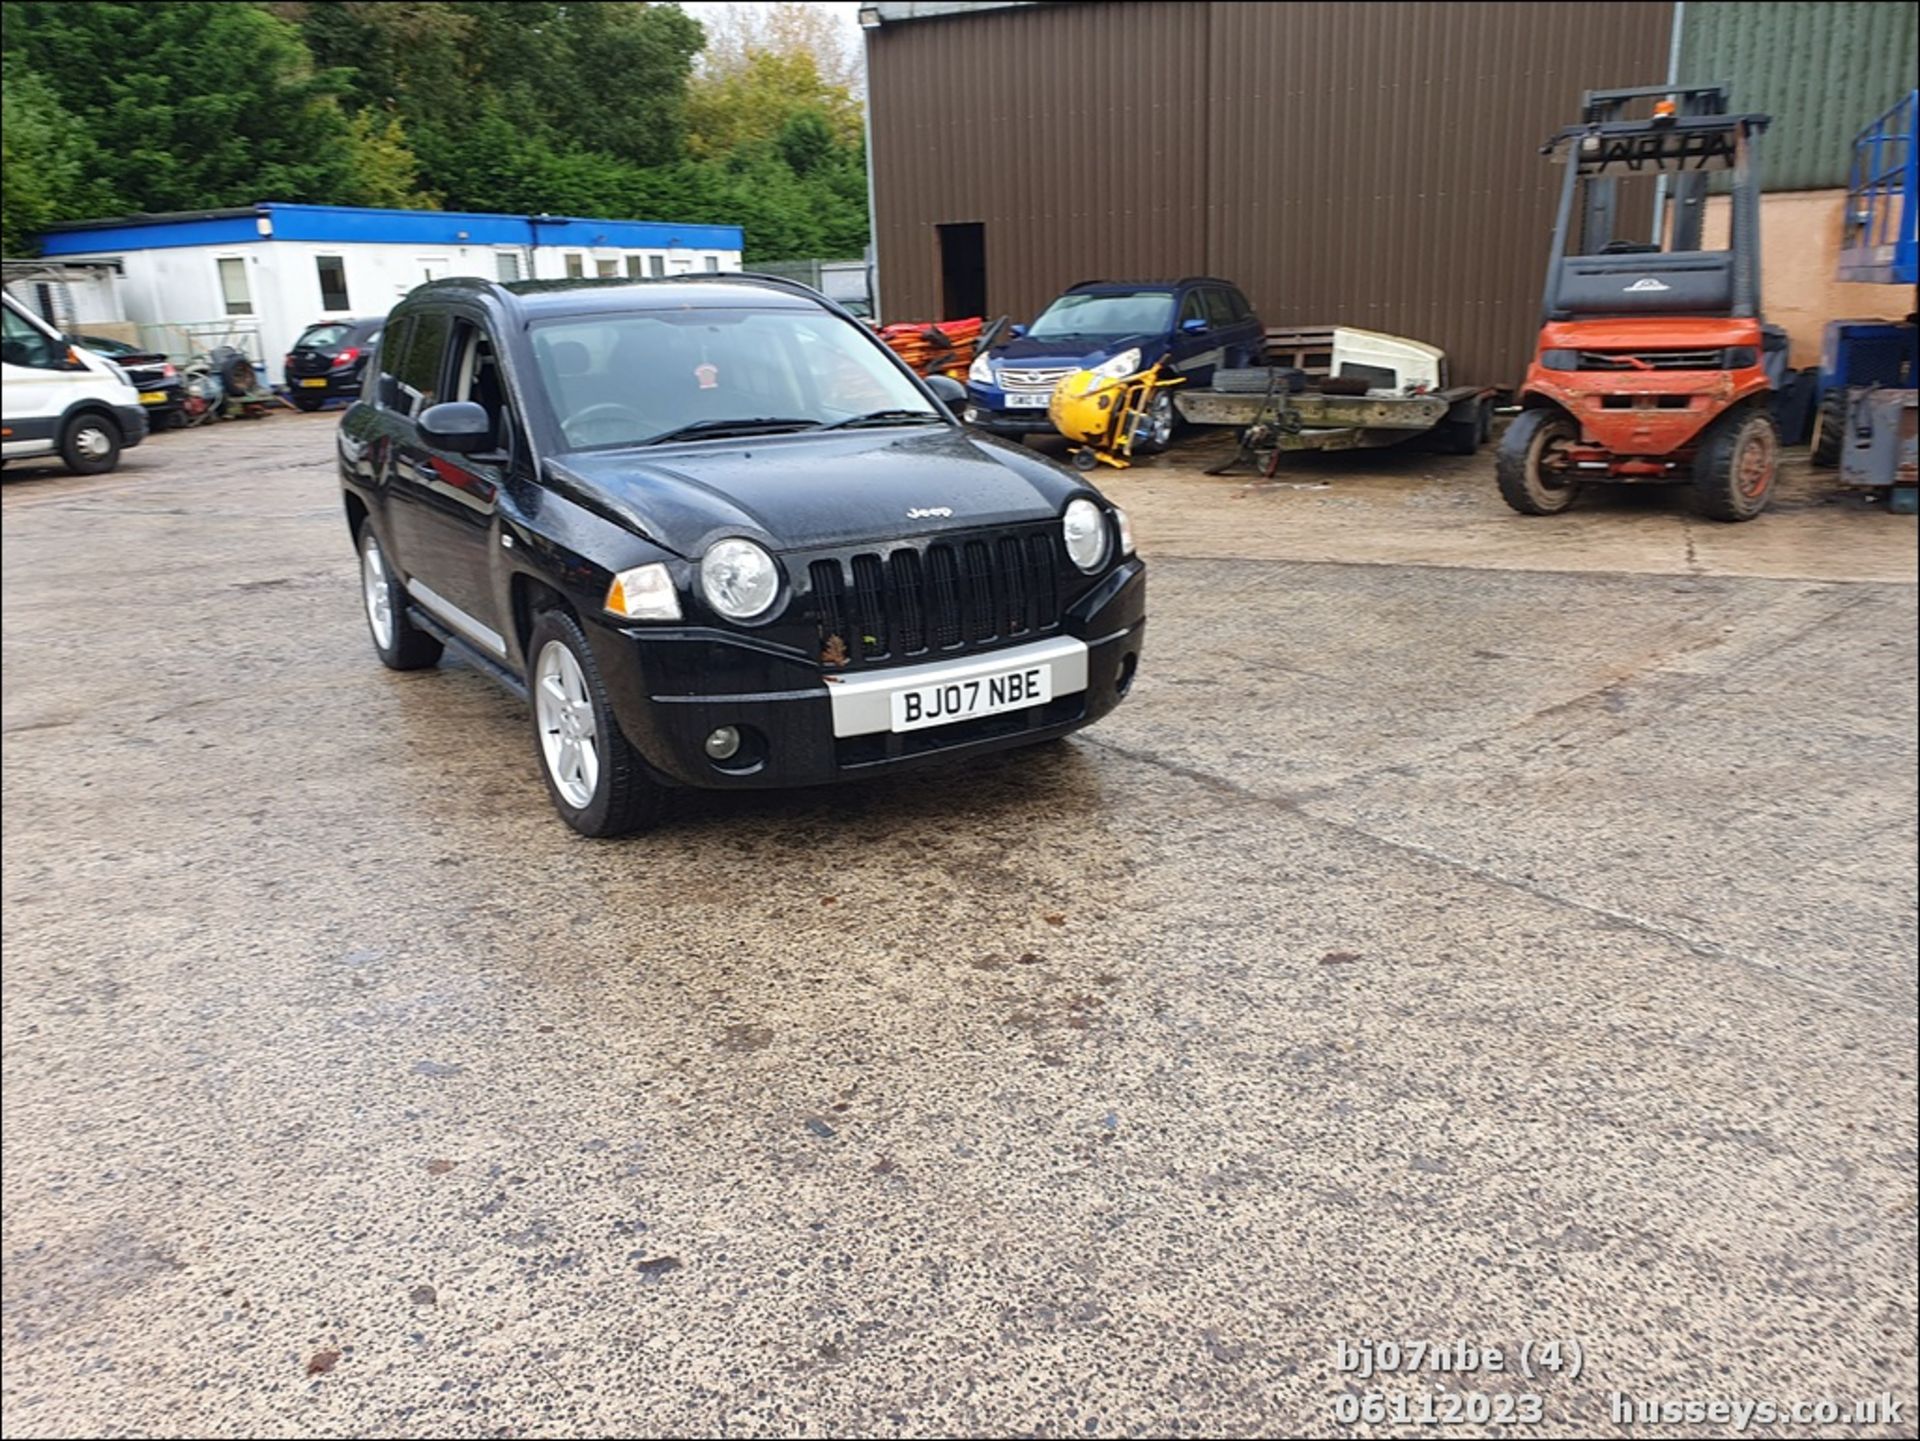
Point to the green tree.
(533, 105)
(47, 163)
(191, 103)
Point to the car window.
(101, 345)
(477, 377)
(320, 337)
(417, 361)
(1193, 308)
(27, 345)
(626, 379)
(1086, 315)
(1219, 306)
(1241, 310)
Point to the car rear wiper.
(880, 417)
(755, 425)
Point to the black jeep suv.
(719, 535)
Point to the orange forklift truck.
(1653, 362)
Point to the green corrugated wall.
(1821, 70)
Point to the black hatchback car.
(162, 393)
(720, 536)
(329, 361)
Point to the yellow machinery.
(1107, 415)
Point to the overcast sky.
(846, 11)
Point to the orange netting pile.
(943, 347)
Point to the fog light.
(724, 744)
(971, 415)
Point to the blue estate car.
(1199, 324)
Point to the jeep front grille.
(922, 600)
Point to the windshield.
(1110, 313)
(628, 379)
(319, 337)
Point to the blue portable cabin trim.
(365, 226)
(233, 227)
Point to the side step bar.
(488, 665)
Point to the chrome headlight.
(117, 371)
(1120, 367)
(981, 371)
(644, 593)
(1085, 531)
(739, 579)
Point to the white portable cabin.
(255, 277)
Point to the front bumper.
(672, 688)
(133, 424)
(985, 410)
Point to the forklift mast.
(1686, 134)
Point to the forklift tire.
(1736, 465)
(1829, 428)
(1525, 483)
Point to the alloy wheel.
(569, 735)
(377, 591)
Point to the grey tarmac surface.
(1436, 947)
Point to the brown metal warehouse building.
(1370, 164)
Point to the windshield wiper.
(755, 425)
(880, 417)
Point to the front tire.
(1531, 463)
(90, 444)
(1736, 465)
(1830, 428)
(595, 778)
(400, 644)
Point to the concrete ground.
(1474, 929)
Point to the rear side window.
(417, 359)
(386, 388)
(1219, 307)
(1241, 310)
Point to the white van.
(62, 400)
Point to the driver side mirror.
(947, 390)
(461, 426)
(1194, 326)
(1016, 331)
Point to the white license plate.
(1028, 399)
(917, 707)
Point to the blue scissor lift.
(1867, 367)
